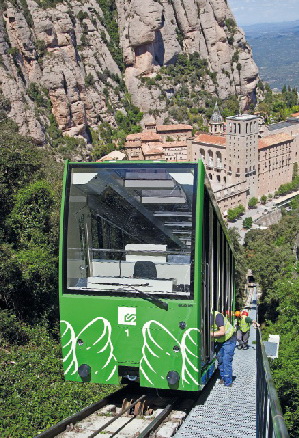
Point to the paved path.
(259, 212)
(227, 412)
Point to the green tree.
(247, 222)
(294, 203)
(263, 199)
(20, 162)
(252, 203)
(30, 218)
(232, 214)
(30, 187)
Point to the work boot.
(239, 347)
(221, 381)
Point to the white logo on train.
(127, 315)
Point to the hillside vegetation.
(33, 394)
(272, 254)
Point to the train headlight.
(84, 371)
(172, 377)
(80, 342)
(182, 325)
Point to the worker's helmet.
(244, 313)
(237, 313)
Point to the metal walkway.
(227, 412)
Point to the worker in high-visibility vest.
(243, 329)
(224, 335)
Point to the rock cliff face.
(67, 59)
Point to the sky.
(249, 12)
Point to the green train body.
(144, 259)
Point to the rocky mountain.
(77, 64)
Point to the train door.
(222, 272)
(207, 279)
(216, 273)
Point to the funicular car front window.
(131, 228)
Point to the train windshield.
(131, 228)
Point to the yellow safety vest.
(229, 329)
(244, 326)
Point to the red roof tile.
(175, 144)
(167, 128)
(144, 136)
(211, 139)
(271, 140)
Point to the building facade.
(276, 157)
(241, 159)
(241, 151)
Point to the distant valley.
(276, 51)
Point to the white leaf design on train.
(68, 342)
(96, 336)
(189, 349)
(152, 350)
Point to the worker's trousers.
(225, 356)
(242, 338)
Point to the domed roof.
(216, 116)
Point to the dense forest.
(33, 393)
(273, 254)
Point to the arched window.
(210, 158)
(218, 160)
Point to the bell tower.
(216, 123)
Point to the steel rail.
(60, 427)
(123, 411)
(157, 421)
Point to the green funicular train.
(144, 259)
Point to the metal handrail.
(270, 421)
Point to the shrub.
(11, 330)
(89, 80)
(247, 222)
(252, 202)
(235, 213)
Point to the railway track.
(126, 413)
